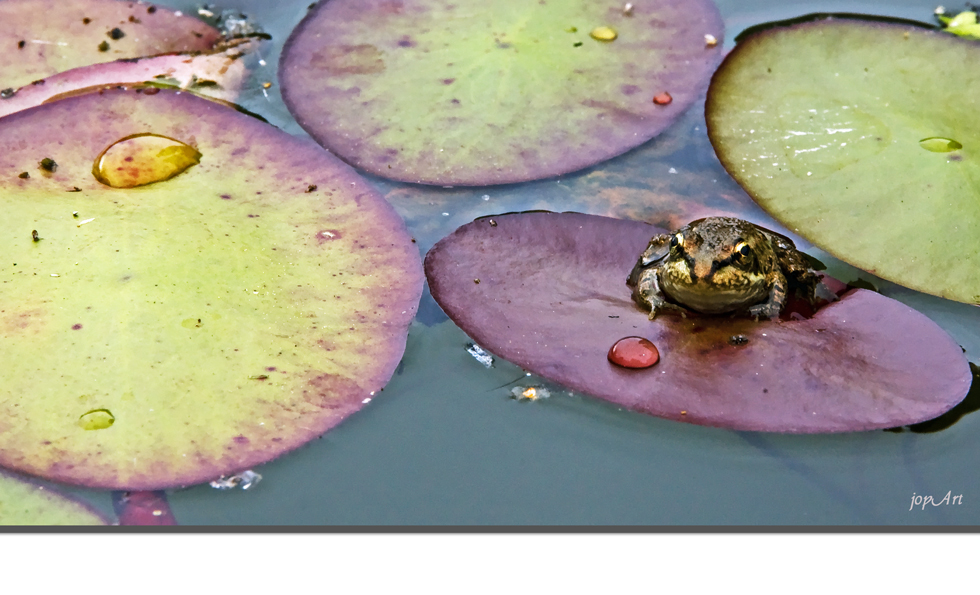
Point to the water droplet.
(663, 99)
(143, 159)
(634, 352)
(191, 323)
(603, 34)
(938, 144)
(737, 340)
(96, 419)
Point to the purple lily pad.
(143, 508)
(474, 93)
(42, 37)
(547, 291)
(201, 323)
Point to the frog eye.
(742, 249)
(676, 239)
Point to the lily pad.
(143, 508)
(173, 332)
(476, 93)
(548, 292)
(860, 136)
(27, 503)
(43, 37)
(218, 75)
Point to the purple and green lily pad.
(548, 292)
(176, 331)
(218, 75)
(42, 37)
(27, 503)
(861, 136)
(475, 93)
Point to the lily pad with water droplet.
(173, 332)
(26, 503)
(476, 93)
(861, 136)
(42, 37)
(553, 299)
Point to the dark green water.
(445, 444)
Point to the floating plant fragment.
(963, 24)
(553, 299)
(176, 331)
(246, 480)
(476, 93)
(26, 503)
(861, 136)
(42, 37)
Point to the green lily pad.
(42, 37)
(170, 333)
(478, 93)
(26, 503)
(861, 136)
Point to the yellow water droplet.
(191, 323)
(603, 33)
(96, 419)
(938, 144)
(143, 159)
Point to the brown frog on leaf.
(719, 265)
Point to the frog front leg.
(647, 292)
(777, 298)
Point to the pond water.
(447, 444)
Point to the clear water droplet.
(96, 419)
(938, 144)
(634, 352)
(143, 159)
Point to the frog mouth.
(714, 299)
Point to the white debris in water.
(486, 197)
(529, 393)
(672, 171)
(480, 355)
(244, 480)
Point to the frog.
(721, 265)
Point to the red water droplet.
(634, 352)
(662, 99)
